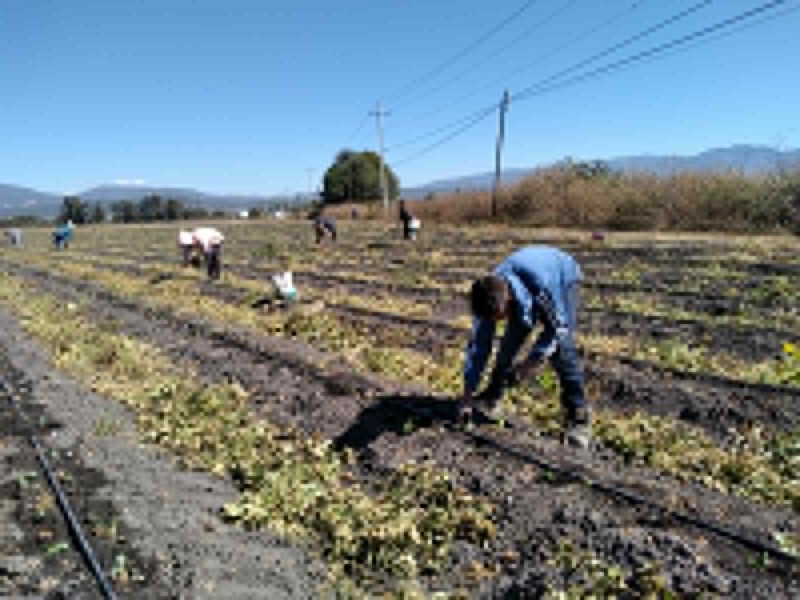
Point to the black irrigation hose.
(632, 497)
(63, 504)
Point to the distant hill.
(480, 181)
(113, 193)
(15, 200)
(750, 159)
(746, 158)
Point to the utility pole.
(379, 114)
(501, 132)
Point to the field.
(323, 432)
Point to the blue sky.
(245, 95)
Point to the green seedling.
(788, 543)
(23, 479)
(57, 548)
(106, 427)
(120, 571)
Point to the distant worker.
(354, 212)
(324, 226)
(186, 244)
(62, 236)
(410, 224)
(537, 283)
(209, 241)
(14, 236)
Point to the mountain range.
(750, 159)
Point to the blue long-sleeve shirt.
(64, 232)
(540, 278)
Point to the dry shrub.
(563, 196)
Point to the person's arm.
(547, 342)
(477, 354)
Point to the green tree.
(125, 211)
(151, 208)
(98, 213)
(173, 210)
(74, 209)
(355, 177)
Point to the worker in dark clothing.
(405, 217)
(535, 284)
(14, 236)
(324, 226)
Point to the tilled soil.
(537, 514)
(746, 343)
(39, 556)
(719, 405)
(132, 501)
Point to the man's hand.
(465, 406)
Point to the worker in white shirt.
(209, 241)
(186, 244)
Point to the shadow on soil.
(401, 415)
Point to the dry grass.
(565, 197)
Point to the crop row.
(759, 466)
(673, 354)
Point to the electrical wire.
(546, 86)
(358, 129)
(530, 31)
(672, 46)
(414, 85)
(438, 130)
(634, 38)
(534, 62)
(467, 126)
(593, 58)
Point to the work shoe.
(579, 429)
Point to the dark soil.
(536, 512)
(39, 556)
(131, 501)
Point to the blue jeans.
(565, 360)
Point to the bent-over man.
(209, 241)
(537, 284)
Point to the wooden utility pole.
(379, 114)
(501, 132)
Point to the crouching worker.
(410, 224)
(186, 245)
(14, 236)
(209, 241)
(324, 226)
(63, 235)
(537, 283)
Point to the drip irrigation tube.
(632, 497)
(63, 504)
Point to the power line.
(540, 87)
(414, 85)
(531, 30)
(628, 41)
(358, 129)
(481, 116)
(438, 130)
(636, 37)
(571, 42)
(682, 43)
